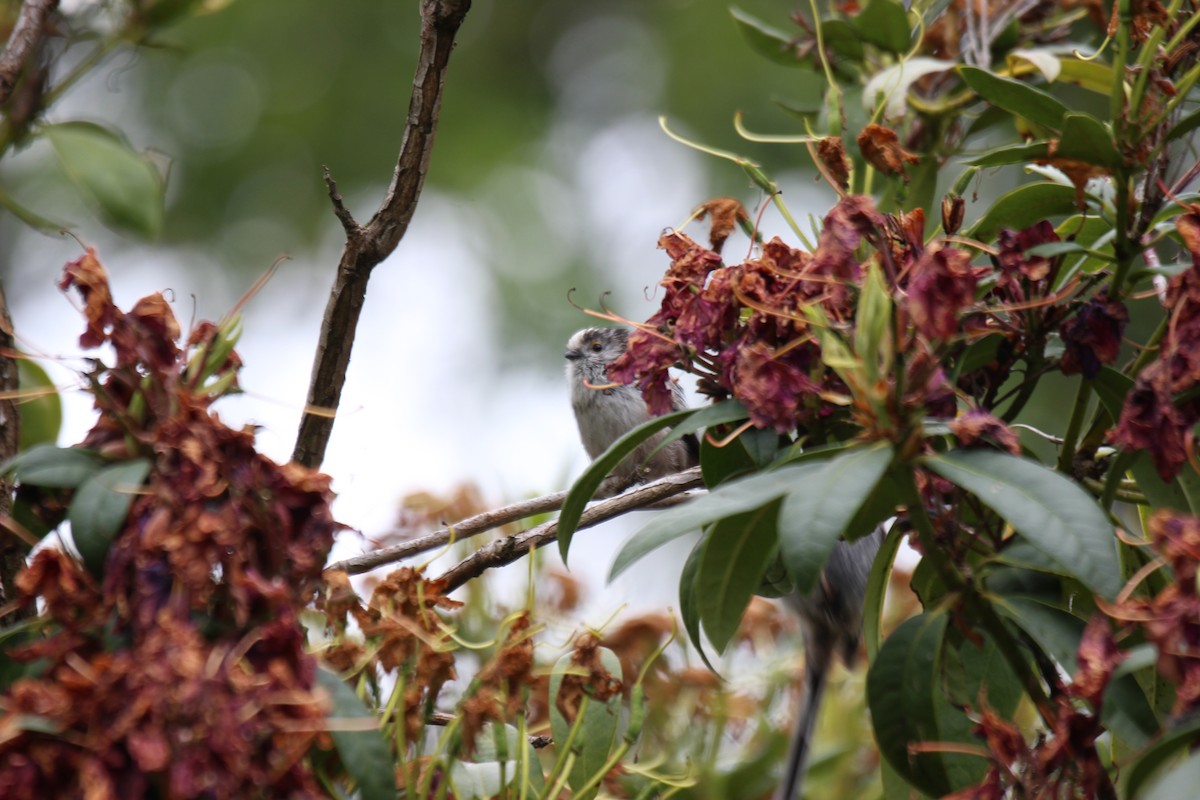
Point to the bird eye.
(597, 347)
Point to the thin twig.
(510, 548)
(12, 549)
(471, 526)
(368, 245)
(24, 41)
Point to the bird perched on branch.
(830, 616)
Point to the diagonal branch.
(510, 548)
(23, 43)
(368, 245)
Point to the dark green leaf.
(53, 467)
(884, 23)
(41, 414)
(99, 508)
(818, 510)
(1051, 511)
(364, 753)
(877, 583)
(1016, 97)
(736, 497)
(1012, 154)
(1150, 761)
(123, 185)
(1086, 139)
(1185, 126)
(1023, 207)
(597, 724)
(1051, 249)
(903, 686)
(765, 39)
(717, 414)
(583, 489)
(689, 602)
(737, 553)
(841, 37)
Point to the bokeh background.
(550, 173)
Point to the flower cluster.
(183, 672)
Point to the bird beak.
(572, 355)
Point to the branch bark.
(368, 245)
(23, 43)
(510, 548)
(12, 549)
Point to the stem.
(1066, 455)
(978, 609)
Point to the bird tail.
(816, 671)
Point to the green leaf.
(584, 488)
(717, 414)
(877, 584)
(1149, 762)
(764, 39)
(53, 467)
(1091, 75)
(1023, 207)
(1015, 97)
(1049, 510)
(884, 23)
(689, 600)
(597, 724)
(738, 551)
(820, 507)
(1185, 126)
(363, 753)
(1087, 139)
(903, 687)
(41, 415)
(841, 37)
(122, 184)
(99, 508)
(1011, 154)
(735, 497)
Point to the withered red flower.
(724, 213)
(1093, 336)
(1151, 421)
(1013, 259)
(942, 284)
(881, 148)
(831, 152)
(771, 387)
(977, 425)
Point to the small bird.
(606, 411)
(830, 616)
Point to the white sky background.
(424, 408)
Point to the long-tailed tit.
(830, 617)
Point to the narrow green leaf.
(364, 753)
(1023, 207)
(764, 39)
(1015, 97)
(1091, 75)
(689, 603)
(1185, 126)
(738, 552)
(877, 583)
(884, 23)
(903, 685)
(717, 414)
(99, 508)
(1011, 154)
(584, 488)
(736, 497)
(1150, 761)
(122, 184)
(41, 415)
(817, 511)
(1087, 139)
(53, 467)
(1051, 511)
(597, 725)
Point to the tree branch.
(23, 43)
(471, 526)
(510, 548)
(12, 549)
(368, 245)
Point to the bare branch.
(12, 549)
(368, 245)
(349, 224)
(23, 43)
(471, 526)
(510, 548)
